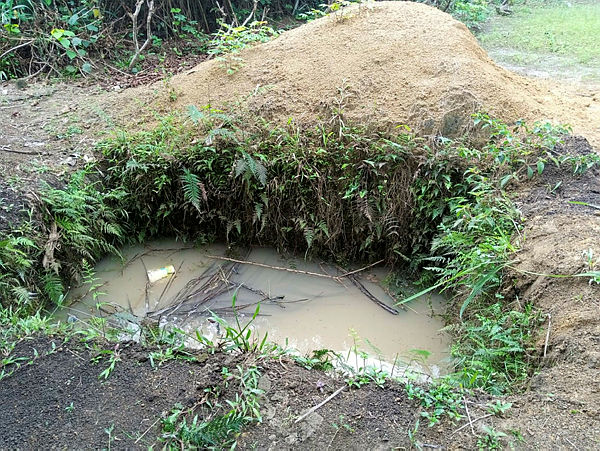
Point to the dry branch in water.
(297, 271)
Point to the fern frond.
(191, 188)
(53, 287)
(249, 168)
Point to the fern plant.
(16, 262)
(89, 224)
(249, 168)
(193, 188)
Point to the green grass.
(549, 28)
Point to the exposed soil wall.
(560, 409)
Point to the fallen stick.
(321, 404)
(469, 416)
(362, 269)
(24, 152)
(297, 271)
(370, 295)
(471, 423)
(187, 292)
(278, 268)
(547, 334)
(151, 426)
(147, 303)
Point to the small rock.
(264, 383)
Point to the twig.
(17, 47)
(585, 204)
(147, 285)
(547, 334)
(24, 152)
(151, 426)
(321, 404)
(251, 15)
(469, 416)
(134, 17)
(278, 268)
(471, 423)
(115, 69)
(362, 269)
(571, 443)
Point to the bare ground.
(59, 401)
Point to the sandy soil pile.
(396, 63)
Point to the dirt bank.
(560, 409)
(386, 63)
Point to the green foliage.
(461, 192)
(439, 399)
(499, 408)
(67, 37)
(491, 439)
(472, 13)
(53, 33)
(494, 349)
(229, 40)
(16, 261)
(192, 188)
(321, 359)
(15, 325)
(88, 220)
(169, 345)
(220, 428)
(113, 356)
(539, 30)
(469, 230)
(324, 9)
(239, 337)
(296, 188)
(216, 433)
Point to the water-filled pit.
(300, 311)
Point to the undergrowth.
(220, 428)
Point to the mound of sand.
(394, 63)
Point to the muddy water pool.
(297, 310)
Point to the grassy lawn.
(547, 33)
